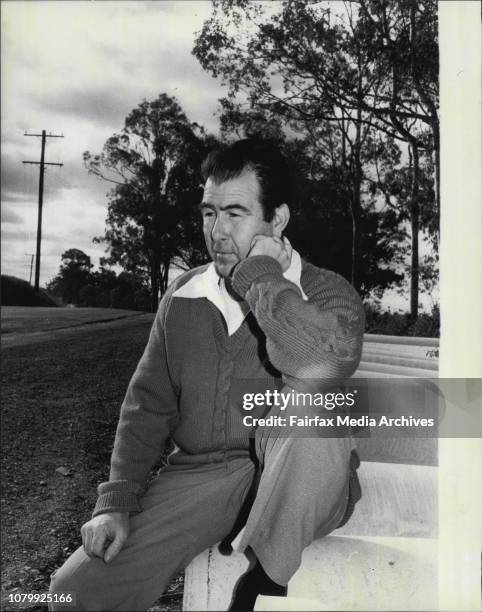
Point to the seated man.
(256, 314)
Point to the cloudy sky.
(77, 69)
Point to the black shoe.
(255, 582)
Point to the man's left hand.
(277, 248)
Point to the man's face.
(232, 216)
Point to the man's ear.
(280, 219)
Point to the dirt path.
(19, 338)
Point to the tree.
(74, 274)
(402, 39)
(337, 73)
(154, 163)
(322, 224)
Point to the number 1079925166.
(19, 598)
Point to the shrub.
(427, 325)
(398, 324)
(17, 292)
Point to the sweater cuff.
(252, 268)
(117, 496)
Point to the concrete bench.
(385, 557)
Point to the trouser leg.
(184, 510)
(302, 495)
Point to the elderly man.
(256, 316)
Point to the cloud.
(17, 181)
(60, 232)
(96, 61)
(11, 217)
(103, 106)
(78, 69)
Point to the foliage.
(17, 292)
(357, 82)
(154, 163)
(427, 325)
(321, 224)
(78, 285)
(74, 273)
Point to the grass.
(60, 405)
(24, 319)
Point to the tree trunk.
(355, 240)
(154, 291)
(415, 226)
(436, 147)
(356, 192)
(164, 276)
(154, 263)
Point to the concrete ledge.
(210, 578)
(410, 451)
(398, 356)
(404, 340)
(349, 573)
(337, 573)
(398, 500)
(385, 557)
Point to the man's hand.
(278, 248)
(105, 534)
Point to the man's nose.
(220, 229)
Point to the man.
(256, 315)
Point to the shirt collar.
(209, 285)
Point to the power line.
(42, 163)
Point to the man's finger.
(257, 238)
(287, 245)
(114, 548)
(99, 542)
(87, 541)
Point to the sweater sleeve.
(320, 338)
(148, 415)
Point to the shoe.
(255, 582)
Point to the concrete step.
(337, 573)
(409, 351)
(398, 356)
(401, 340)
(390, 537)
(395, 370)
(410, 451)
(210, 578)
(286, 603)
(396, 360)
(397, 501)
(363, 573)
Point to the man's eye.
(207, 213)
(233, 215)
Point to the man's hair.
(264, 158)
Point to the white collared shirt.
(211, 286)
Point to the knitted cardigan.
(189, 380)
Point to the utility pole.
(31, 266)
(42, 165)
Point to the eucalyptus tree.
(328, 72)
(154, 163)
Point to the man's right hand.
(105, 534)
